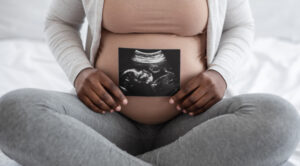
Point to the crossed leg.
(39, 127)
(248, 130)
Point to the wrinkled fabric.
(42, 127)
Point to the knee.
(278, 118)
(270, 107)
(17, 104)
(279, 110)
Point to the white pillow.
(25, 19)
(19, 18)
(277, 18)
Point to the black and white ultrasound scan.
(149, 72)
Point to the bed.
(26, 61)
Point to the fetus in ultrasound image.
(149, 72)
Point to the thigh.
(114, 126)
(256, 108)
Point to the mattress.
(29, 63)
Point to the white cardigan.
(230, 33)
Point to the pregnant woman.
(151, 89)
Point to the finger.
(102, 94)
(97, 100)
(194, 97)
(190, 86)
(91, 105)
(205, 107)
(114, 89)
(200, 103)
(107, 98)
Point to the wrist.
(218, 76)
(81, 74)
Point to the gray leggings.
(49, 128)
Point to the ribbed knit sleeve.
(62, 27)
(236, 40)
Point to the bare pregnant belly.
(150, 108)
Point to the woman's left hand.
(200, 93)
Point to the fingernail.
(184, 111)
(111, 110)
(125, 101)
(171, 101)
(178, 108)
(191, 113)
(118, 108)
(103, 112)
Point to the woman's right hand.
(97, 91)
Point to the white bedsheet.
(29, 63)
(274, 68)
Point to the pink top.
(181, 17)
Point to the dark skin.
(200, 93)
(96, 90)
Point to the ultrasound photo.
(149, 72)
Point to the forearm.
(62, 35)
(236, 41)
